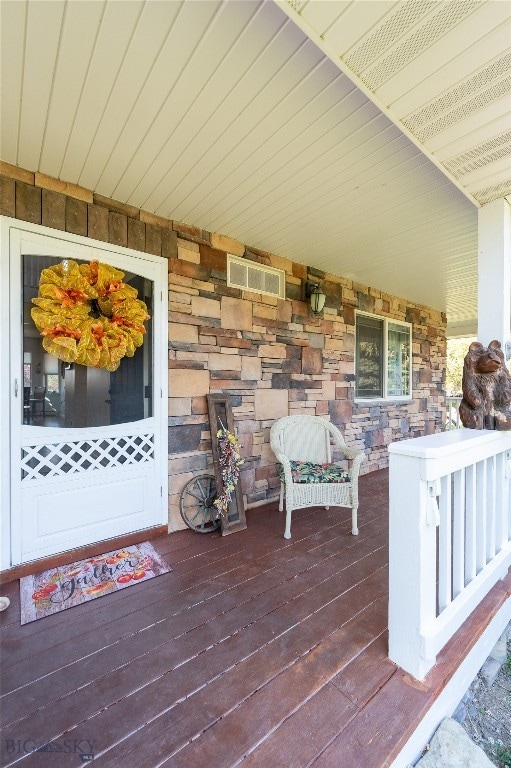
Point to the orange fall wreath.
(87, 315)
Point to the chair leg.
(281, 500)
(354, 528)
(287, 532)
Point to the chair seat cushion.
(307, 472)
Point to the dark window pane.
(369, 357)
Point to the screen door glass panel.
(58, 394)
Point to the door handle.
(16, 387)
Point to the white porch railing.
(450, 536)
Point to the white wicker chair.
(307, 439)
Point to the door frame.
(9, 402)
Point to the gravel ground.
(488, 715)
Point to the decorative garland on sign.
(230, 461)
(87, 315)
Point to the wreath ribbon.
(86, 314)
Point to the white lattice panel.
(58, 459)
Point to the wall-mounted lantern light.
(316, 297)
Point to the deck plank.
(371, 737)
(305, 733)
(367, 673)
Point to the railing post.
(412, 563)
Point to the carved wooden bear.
(486, 388)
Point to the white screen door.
(88, 447)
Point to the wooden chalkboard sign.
(220, 413)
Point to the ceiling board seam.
(310, 192)
(299, 206)
(39, 68)
(372, 96)
(25, 34)
(362, 204)
(270, 158)
(82, 89)
(245, 138)
(302, 251)
(332, 168)
(442, 238)
(217, 108)
(403, 193)
(165, 101)
(210, 148)
(334, 21)
(112, 87)
(50, 96)
(353, 230)
(161, 206)
(137, 98)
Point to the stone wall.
(272, 355)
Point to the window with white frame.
(382, 358)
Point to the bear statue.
(486, 388)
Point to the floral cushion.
(307, 472)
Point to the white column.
(494, 272)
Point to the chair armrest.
(351, 453)
(286, 466)
(282, 459)
(357, 457)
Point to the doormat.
(68, 585)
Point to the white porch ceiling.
(357, 137)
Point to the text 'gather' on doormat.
(69, 585)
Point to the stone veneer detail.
(271, 355)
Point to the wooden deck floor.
(253, 650)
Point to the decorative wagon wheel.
(196, 504)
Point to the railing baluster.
(458, 534)
(507, 494)
(481, 515)
(490, 508)
(445, 545)
(501, 513)
(470, 524)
